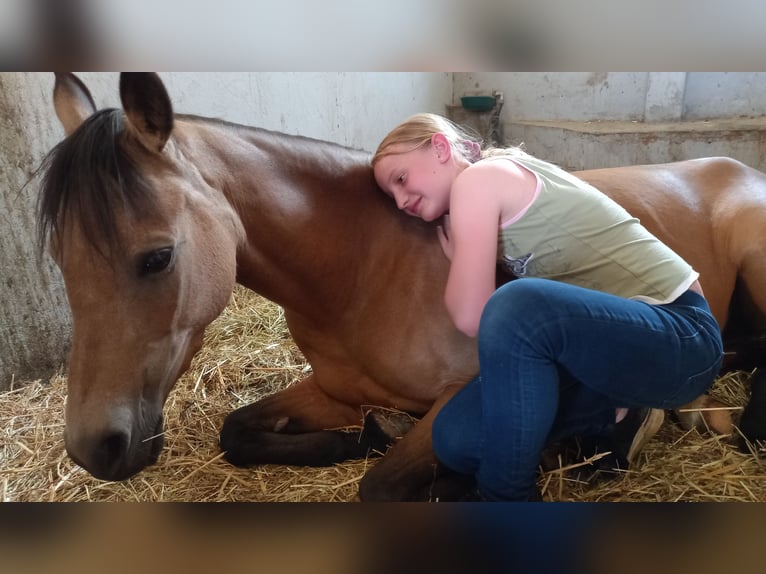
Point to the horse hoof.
(706, 414)
(394, 424)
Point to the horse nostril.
(110, 455)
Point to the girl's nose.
(401, 200)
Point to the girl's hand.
(443, 232)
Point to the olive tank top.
(572, 232)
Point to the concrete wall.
(354, 109)
(34, 317)
(584, 120)
(574, 96)
(351, 108)
(622, 96)
(724, 94)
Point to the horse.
(152, 217)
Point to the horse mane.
(305, 147)
(87, 177)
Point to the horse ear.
(147, 107)
(72, 101)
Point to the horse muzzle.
(116, 454)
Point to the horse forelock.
(88, 178)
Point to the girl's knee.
(526, 303)
(514, 306)
(520, 296)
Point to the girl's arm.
(481, 196)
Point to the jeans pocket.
(694, 323)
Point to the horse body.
(348, 271)
(200, 204)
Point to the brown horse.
(152, 217)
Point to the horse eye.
(156, 261)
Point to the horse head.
(147, 250)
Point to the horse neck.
(306, 206)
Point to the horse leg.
(288, 427)
(744, 336)
(410, 471)
(752, 423)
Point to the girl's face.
(419, 180)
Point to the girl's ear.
(441, 146)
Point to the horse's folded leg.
(319, 448)
(403, 477)
(752, 423)
(246, 445)
(410, 471)
(449, 486)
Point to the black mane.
(87, 177)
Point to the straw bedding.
(248, 354)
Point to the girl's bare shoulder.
(501, 171)
(502, 186)
(495, 177)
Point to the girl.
(603, 319)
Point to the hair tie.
(472, 150)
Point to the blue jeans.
(555, 361)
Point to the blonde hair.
(416, 132)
